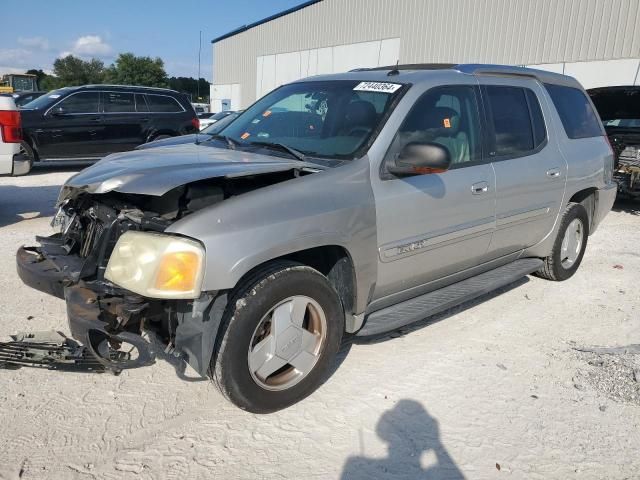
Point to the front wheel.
(569, 246)
(280, 335)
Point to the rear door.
(166, 115)
(530, 171)
(124, 125)
(434, 225)
(72, 128)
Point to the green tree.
(189, 86)
(129, 69)
(72, 70)
(46, 82)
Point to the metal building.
(596, 41)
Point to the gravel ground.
(493, 389)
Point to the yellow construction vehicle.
(23, 82)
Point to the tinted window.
(141, 104)
(511, 121)
(447, 116)
(577, 115)
(537, 119)
(118, 102)
(84, 102)
(163, 104)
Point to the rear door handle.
(479, 188)
(553, 173)
(96, 119)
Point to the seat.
(440, 125)
(360, 116)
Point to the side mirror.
(58, 111)
(417, 158)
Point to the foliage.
(128, 69)
(131, 70)
(189, 86)
(72, 70)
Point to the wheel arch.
(333, 261)
(587, 198)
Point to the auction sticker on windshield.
(384, 87)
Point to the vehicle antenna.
(395, 71)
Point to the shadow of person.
(412, 436)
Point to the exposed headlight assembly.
(157, 265)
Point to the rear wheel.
(569, 246)
(27, 151)
(280, 337)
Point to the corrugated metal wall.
(485, 31)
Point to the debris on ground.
(613, 371)
(50, 350)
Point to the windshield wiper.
(231, 143)
(282, 147)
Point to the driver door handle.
(479, 188)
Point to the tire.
(249, 308)
(28, 151)
(557, 266)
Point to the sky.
(48, 29)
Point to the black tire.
(553, 268)
(26, 149)
(248, 304)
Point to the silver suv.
(341, 204)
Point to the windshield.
(623, 122)
(45, 100)
(331, 119)
(219, 125)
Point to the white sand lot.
(494, 383)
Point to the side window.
(163, 104)
(513, 131)
(577, 115)
(118, 102)
(537, 119)
(141, 104)
(83, 102)
(447, 116)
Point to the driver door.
(73, 128)
(434, 225)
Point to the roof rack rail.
(409, 66)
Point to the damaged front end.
(108, 319)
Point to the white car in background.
(12, 161)
(207, 119)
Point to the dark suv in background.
(92, 121)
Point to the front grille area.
(90, 237)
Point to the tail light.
(10, 126)
(196, 123)
(609, 162)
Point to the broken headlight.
(157, 265)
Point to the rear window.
(163, 104)
(577, 115)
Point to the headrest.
(361, 113)
(444, 118)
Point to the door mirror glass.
(418, 158)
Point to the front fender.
(331, 207)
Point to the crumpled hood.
(155, 171)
